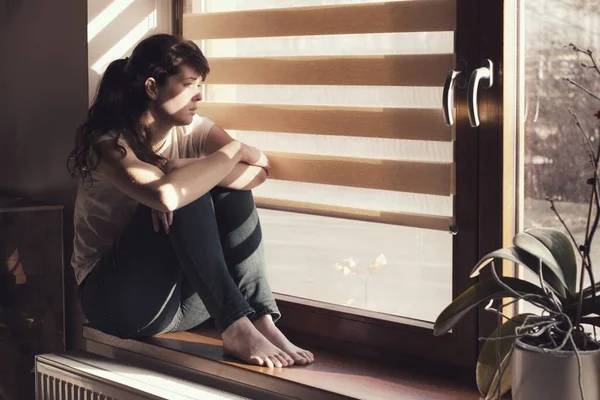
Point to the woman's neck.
(158, 130)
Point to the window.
(345, 98)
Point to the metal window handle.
(486, 74)
(448, 96)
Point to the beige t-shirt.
(102, 211)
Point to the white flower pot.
(538, 375)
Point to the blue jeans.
(211, 264)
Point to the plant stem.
(591, 153)
(594, 198)
(587, 53)
(571, 81)
(563, 223)
(589, 235)
(584, 258)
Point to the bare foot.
(266, 326)
(242, 340)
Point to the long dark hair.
(121, 100)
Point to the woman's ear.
(151, 88)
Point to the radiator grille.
(83, 376)
(51, 388)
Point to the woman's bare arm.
(148, 185)
(242, 177)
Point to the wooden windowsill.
(330, 377)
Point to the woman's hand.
(165, 218)
(253, 156)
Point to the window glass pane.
(385, 268)
(556, 161)
(388, 269)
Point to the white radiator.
(84, 376)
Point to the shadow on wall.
(115, 27)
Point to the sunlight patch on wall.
(106, 17)
(127, 42)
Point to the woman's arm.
(243, 176)
(148, 185)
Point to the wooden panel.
(392, 123)
(492, 182)
(400, 16)
(466, 155)
(434, 222)
(388, 70)
(402, 176)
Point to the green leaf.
(479, 293)
(527, 260)
(487, 373)
(562, 249)
(525, 241)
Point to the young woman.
(166, 231)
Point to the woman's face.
(177, 98)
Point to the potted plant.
(555, 354)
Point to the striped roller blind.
(351, 132)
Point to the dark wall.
(43, 97)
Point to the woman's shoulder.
(192, 137)
(199, 124)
